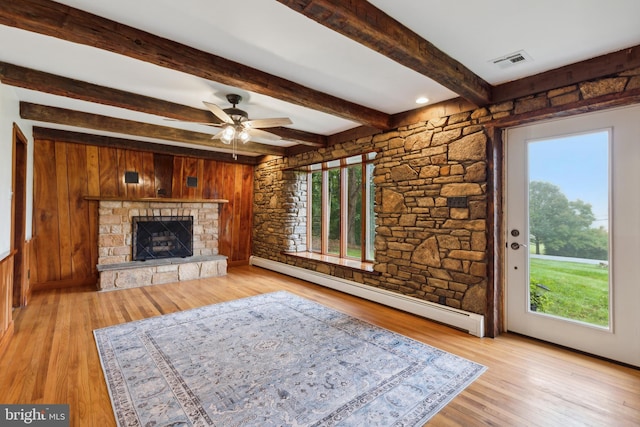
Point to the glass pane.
(354, 211)
(353, 160)
(569, 227)
(316, 211)
(371, 216)
(334, 211)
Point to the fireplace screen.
(162, 237)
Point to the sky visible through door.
(578, 165)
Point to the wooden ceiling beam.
(74, 25)
(27, 78)
(63, 116)
(40, 133)
(601, 66)
(364, 23)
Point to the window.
(340, 220)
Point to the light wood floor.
(53, 359)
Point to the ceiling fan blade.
(264, 135)
(267, 123)
(218, 112)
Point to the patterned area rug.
(274, 360)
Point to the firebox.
(162, 237)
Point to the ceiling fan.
(236, 127)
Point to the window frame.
(366, 245)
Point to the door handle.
(516, 246)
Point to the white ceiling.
(271, 37)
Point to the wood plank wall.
(6, 300)
(65, 224)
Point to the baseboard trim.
(472, 322)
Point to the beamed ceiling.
(136, 73)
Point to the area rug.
(273, 360)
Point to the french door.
(573, 232)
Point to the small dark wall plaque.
(457, 202)
(192, 181)
(131, 177)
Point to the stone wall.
(424, 247)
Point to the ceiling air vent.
(512, 59)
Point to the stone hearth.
(116, 268)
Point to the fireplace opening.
(157, 237)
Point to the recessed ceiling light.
(422, 100)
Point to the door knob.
(516, 245)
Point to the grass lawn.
(576, 291)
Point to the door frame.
(624, 330)
(19, 217)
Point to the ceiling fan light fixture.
(244, 136)
(228, 134)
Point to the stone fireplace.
(167, 223)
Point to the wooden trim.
(154, 199)
(19, 216)
(495, 252)
(6, 299)
(618, 99)
(40, 133)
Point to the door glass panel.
(569, 228)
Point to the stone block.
(133, 278)
(160, 278)
(107, 280)
(470, 147)
(107, 204)
(110, 219)
(531, 104)
(189, 271)
(467, 255)
(213, 268)
(603, 87)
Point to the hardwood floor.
(53, 359)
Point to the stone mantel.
(153, 199)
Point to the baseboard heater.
(474, 323)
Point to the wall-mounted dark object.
(131, 177)
(457, 202)
(192, 181)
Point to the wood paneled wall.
(6, 300)
(65, 224)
